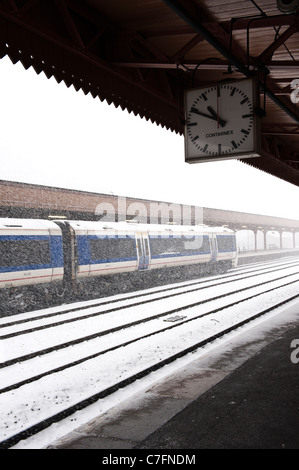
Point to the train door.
(214, 247)
(70, 260)
(143, 251)
(74, 253)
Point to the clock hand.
(200, 113)
(212, 116)
(216, 117)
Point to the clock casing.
(221, 122)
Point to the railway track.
(58, 361)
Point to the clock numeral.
(219, 149)
(190, 124)
(245, 132)
(233, 91)
(205, 148)
(247, 116)
(194, 138)
(234, 144)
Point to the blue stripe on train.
(177, 255)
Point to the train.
(43, 260)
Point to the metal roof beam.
(69, 23)
(184, 10)
(266, 56)
(188, 16)
(263, 22)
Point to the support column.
(280, 239)
(255, 240)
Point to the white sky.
(55, 136)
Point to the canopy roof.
(142, 54)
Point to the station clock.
(221, 122)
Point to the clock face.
(220, 121)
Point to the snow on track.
(123, 352)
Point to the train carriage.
(104, 249)
(179, 246)
(227, 248)
(65, 258)
(30, 252)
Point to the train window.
(112, 248)
(139, 247)
(226, 243)
(179, 245)
(24, 252)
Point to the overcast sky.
(54, 136)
